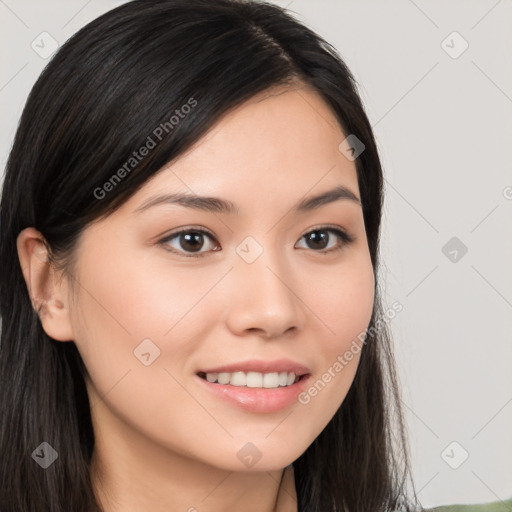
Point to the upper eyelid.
(189, 230)
(319, 227)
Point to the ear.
(47, 290)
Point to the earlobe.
(48, 291)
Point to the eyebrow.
(218, 205)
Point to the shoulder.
(496, 506)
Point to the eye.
(190, 242)
(187, 240)
(320, 239)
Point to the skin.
(162, 441)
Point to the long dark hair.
(99, 99)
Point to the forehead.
(279, 123)
(281, 144)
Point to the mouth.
(270, 380)
(255, 392)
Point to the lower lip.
(257, 399)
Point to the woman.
(189, 245)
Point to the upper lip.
(261, 366)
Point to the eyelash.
(342, 235)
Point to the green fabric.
(495, 506)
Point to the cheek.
(135, 299)
(345, 306)
(139, 325)
(126, 305)
(343, 301)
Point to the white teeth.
(223, 378)
(238, 379)
(253, 379)
(270, 380)
(283, 378)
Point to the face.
(168, 291)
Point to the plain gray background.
(442, 115)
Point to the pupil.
(191, 241)
(319, 238)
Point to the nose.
(265, 298)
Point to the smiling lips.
(256, 373)
(257, 385)
(252, 379)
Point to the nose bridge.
(266, 280)
(265, 297)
